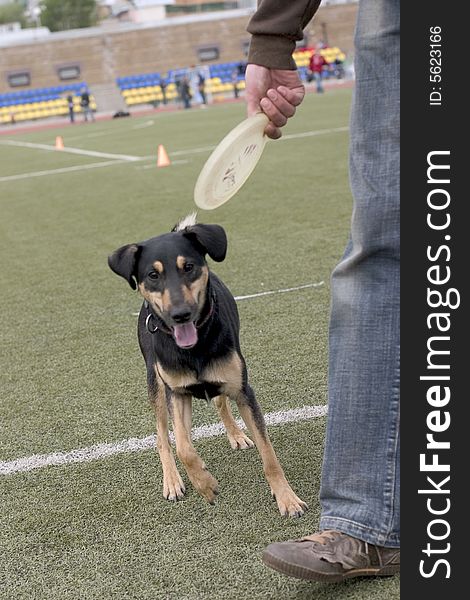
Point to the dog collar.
(203, 321)
(160, 326)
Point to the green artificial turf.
(72, 375)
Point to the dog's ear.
(123, 262)
(211, 238)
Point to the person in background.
(185, 92)
(71, 108)
(235, 82)
(201, 87)
(338, 68)
(316, 66)
(359, 529)
(163, 85)
(85, 104)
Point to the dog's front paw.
(239, 441)
(206, 485)
(173, 486)
(288, 503)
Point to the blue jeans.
(88, 112)
(318, 78)
(360, 479)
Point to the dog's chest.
(220, 376)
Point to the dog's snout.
(181, 315)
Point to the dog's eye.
(153, 275)
(188, 267)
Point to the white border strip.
(100, 451)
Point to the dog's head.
(171, 273)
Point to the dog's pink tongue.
(185, 335)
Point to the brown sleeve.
(275, 27)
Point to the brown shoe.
(331, 556)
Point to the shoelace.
(348, 562)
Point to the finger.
(293, 96)
(273, 113)
(285, 107)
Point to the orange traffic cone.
(59, 143)
(162, 157)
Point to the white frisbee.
(231, 163)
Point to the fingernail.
(272, 94)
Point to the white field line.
(192, 150)
(94, 134)
(125, 157)
(295, 136)
(61, 170)
(271, 292)
(100, 451)
(173, 163)
(282, 291)
(144, 125)
(120, 158)
(292, 136)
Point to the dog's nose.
(180, 315)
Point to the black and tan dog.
(189, 336)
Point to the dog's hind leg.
(237, 439)
(200, 477)
(250, 410)
(173, 486)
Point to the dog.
(188, 331)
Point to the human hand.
(276, 92)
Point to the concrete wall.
(106, 54)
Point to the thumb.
(252, 106)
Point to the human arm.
(272, 83)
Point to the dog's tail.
(187, 221)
